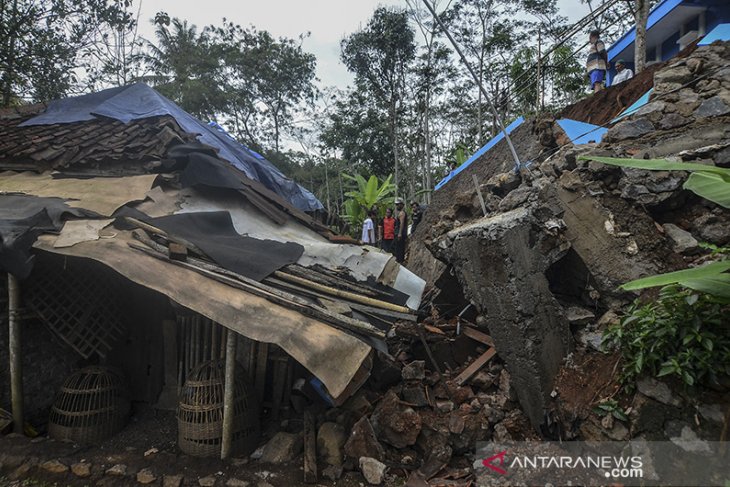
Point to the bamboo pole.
(340, 293)
(16, 369)
(228, 396)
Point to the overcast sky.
(328, 21)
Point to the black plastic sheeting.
(139, 101)
(22, 220)
(213, 233)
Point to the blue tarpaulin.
(635, 106)
(480, 152)
(139, 101)
(581, 132)
(719, 33)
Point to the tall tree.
(185, 66)
(641, 15)
(42, 42)
(379, 56)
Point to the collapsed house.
(144, 240)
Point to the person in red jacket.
(388, 234)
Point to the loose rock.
(172, 480)
(372, 470)
(363, 442)
(118, 469)
(208, 481)
(81, 469)
(54, 466)
(145, 476)
(283, 447)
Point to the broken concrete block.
(330, 441)
(658, 391)
(394, 422)
(363, 442)
(416, 370)
(283, 447)
(682, 241)
(372, 470)
(501, 263)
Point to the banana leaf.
(659, 165)
(710, 271)
(710, 186)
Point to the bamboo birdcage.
(200, 411)
(92, 404)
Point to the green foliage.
(611, 406)
(683, 333)
(42, 42)
(364, 194)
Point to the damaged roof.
(144, 196)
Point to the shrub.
(683, 332)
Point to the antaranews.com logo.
(611, 467)
(634, 463)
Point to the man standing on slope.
(597, 62)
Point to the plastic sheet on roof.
(139, 101)
(581, 132)
(635, 106)
(480, 152)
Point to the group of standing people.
(391, 233)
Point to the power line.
(478, 81)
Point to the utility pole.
(483, 90)
(539, 69)
(16, 370)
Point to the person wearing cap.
(597, 62)
(401, 230)
(622, 72)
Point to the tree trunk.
(641, 16)
(9, 68)
(394, 140)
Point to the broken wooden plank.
(310, 449)
(271, 294)
(468, 372)
(477, 335)
(340, 293)
(177, 251)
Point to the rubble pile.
(543, 267)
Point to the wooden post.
(16, 370)
(228, 395)
(479, 193)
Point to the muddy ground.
(148, 429)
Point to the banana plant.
(709, 182)
(364, 194)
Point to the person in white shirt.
(368, 229)
(623, 73)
